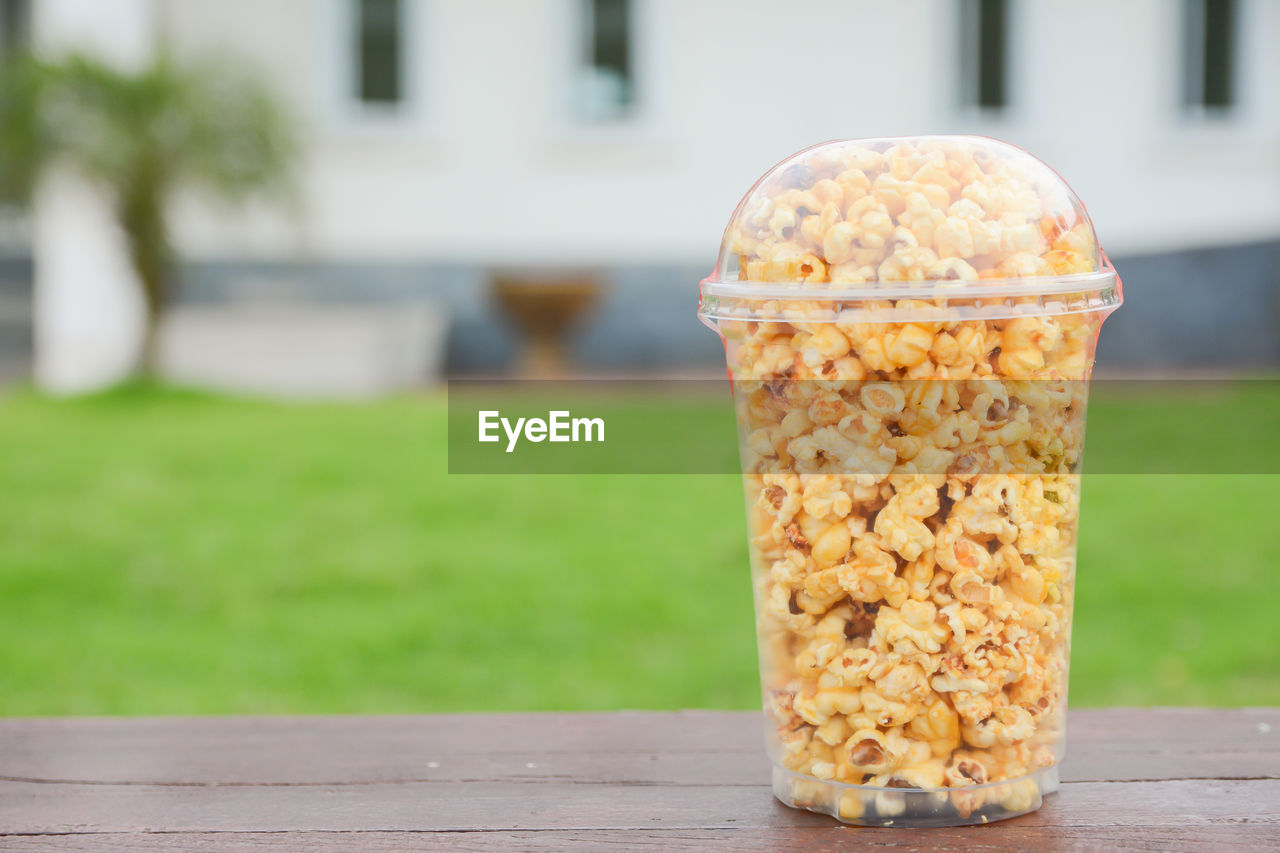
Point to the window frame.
(359, 72)
(585, 43)
(1246, 130)
(344, 107)
(1192, 56)
(1024, 75)
(569, 49)
(969, 16)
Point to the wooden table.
(1152, 779)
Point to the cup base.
(866, 805)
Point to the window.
(374, 81)
(1209, 46)
(605, 84)
(379, 52)
(15, 18)
(984, 53)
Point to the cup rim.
(959, 289)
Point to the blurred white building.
(450, 137)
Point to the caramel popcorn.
(911, 451)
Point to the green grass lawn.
(164, 553)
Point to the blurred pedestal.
(545, 307)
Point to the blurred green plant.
(141, 135)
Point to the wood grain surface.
(1165, 779)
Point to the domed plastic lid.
(911, 216)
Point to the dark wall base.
(1217, 307)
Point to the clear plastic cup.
(910, 326)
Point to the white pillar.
(89, 310)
